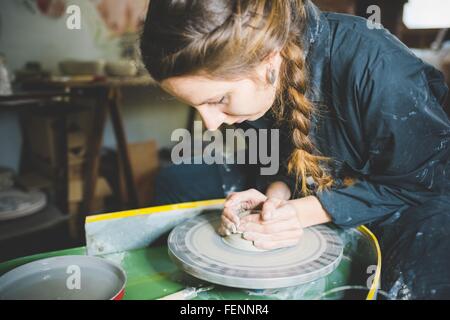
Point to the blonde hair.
(229, 39)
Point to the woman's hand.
(281, 222)
(277, 226)
(237, 203)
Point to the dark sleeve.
(407, 136)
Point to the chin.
(255, 117)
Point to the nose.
(212, 119)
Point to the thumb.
(269, 207)
(247, 200)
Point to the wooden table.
(107, 93)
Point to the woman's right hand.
(236, 203)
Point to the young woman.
(363, 132)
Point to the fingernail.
(230, 226)
(248, 235)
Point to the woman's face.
(223, 101)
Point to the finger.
(250, 199)
(252, 218)
(269, 206)
(284, 212)
(275, 227)
(256, 217)
(226, 227)
(232, 215)
(272, 245)
(287, 235)
(226, 223)
(223, 231)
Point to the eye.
(221, 101)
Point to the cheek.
(249, 100)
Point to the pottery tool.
(197, 248)
(187, 294)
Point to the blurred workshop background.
(84, 130)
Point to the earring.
(272, 76)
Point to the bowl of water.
(65, 278)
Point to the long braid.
(302, 162)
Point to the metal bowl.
(82, 68)
(122, 68)
(65, 278)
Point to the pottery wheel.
(197, 248)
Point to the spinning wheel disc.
(196, 247)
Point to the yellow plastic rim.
(376, 280)
(152, 210)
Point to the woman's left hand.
(277, 226)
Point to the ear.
(273, 59)
(272, 65)
(271, 62)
